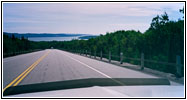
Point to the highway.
(55, 65)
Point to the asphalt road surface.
(55, 65)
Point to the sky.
(85, 18)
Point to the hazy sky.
(88, 18)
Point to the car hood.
(99, 87)
(112, 91)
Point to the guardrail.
(18, 52)
(178, 65)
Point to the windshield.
(78, 45)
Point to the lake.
(52, 38)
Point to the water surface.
(52, 38)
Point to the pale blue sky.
(87, 18)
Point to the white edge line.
(88, 66)
(94, 69)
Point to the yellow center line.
(18, 77)
(26, 72)
(29, 71)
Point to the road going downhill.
(55, 65)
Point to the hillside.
(26, 35)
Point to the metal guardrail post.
(95, 54)
(121, 58)
(142, 61)
(101, 56)
(86, 52)
(178, 65)
(109, 56)
(90, 54)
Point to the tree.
(13, 37)
(158, 21)
(182, 11)
(164, 18)
(22, 38)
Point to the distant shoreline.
(51, 36)
(27, 35)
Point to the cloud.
(85, 16)
(126, 9)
